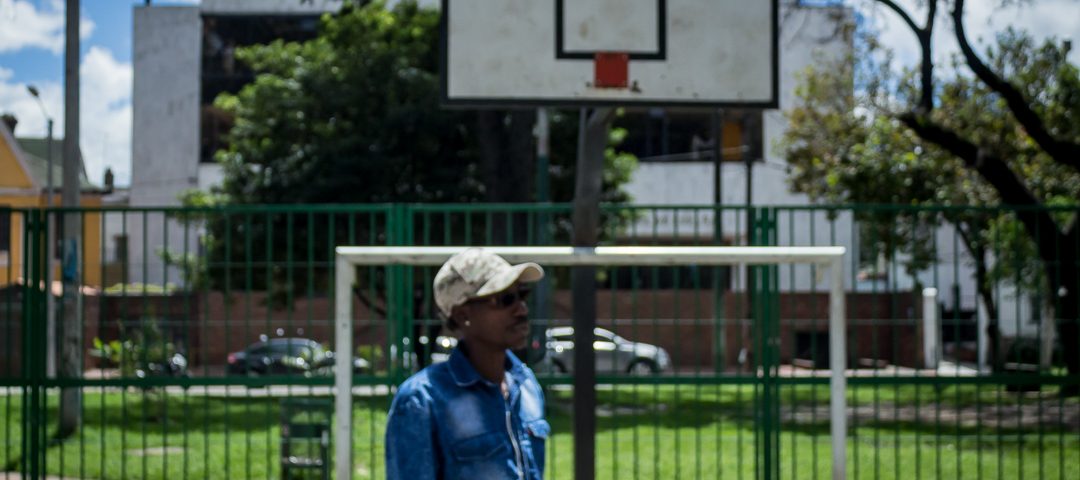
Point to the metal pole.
(838, 367)
(543, 195)
(344, 276)
(543, 155)
(50, 240)
(71, 350)
(50, 251)
(931, 329)
(592, 140)
(719, 286)
(49, 162)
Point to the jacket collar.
(464, 374)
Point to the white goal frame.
(347, 258)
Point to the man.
(479, 415)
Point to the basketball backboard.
(610, 52)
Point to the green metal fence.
(743, 391)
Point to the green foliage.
(375, 355)
(844, 145)
(136, 349)
(350, 116)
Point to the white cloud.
(106, 115)
(25, 25)
(105, 111)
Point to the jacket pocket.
(538, 428)
(480, 447)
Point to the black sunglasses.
(505, 299)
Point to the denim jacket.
(448, 422)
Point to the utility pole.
(71, 345)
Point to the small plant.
(142, 352)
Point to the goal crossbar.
(831, 257)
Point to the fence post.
(763, 285)
(344, 276)
(35, 255)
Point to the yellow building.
(23, 182)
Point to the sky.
(32, 41)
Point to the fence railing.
(184, 315)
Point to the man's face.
(499, 320)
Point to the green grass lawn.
(643, 432)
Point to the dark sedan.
(281, 356)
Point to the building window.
(659, 135)
(5, 235)
(222, 73)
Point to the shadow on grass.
(175, 414)
(806, 412)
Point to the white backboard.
(540, 52)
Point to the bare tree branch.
(926, 100)
(903, 14)
(925, 35)
(1067, 153)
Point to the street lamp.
(48, 143)
(50, 307)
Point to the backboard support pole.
(592, 140)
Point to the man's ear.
(458, 316)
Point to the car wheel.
(642, 368)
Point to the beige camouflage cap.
(475, 273)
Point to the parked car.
(614, 354)
(279, 356)
(440, 350)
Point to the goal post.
(831, 257)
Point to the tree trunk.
(993, 333)
(507, 159)
(507, 154)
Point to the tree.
(353, 117)
(1003, 133)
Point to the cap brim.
(522, 273)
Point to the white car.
(614, 354)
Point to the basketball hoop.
(611, 70)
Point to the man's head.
(482, 296)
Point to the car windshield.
(599, 335)
(562, 334)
